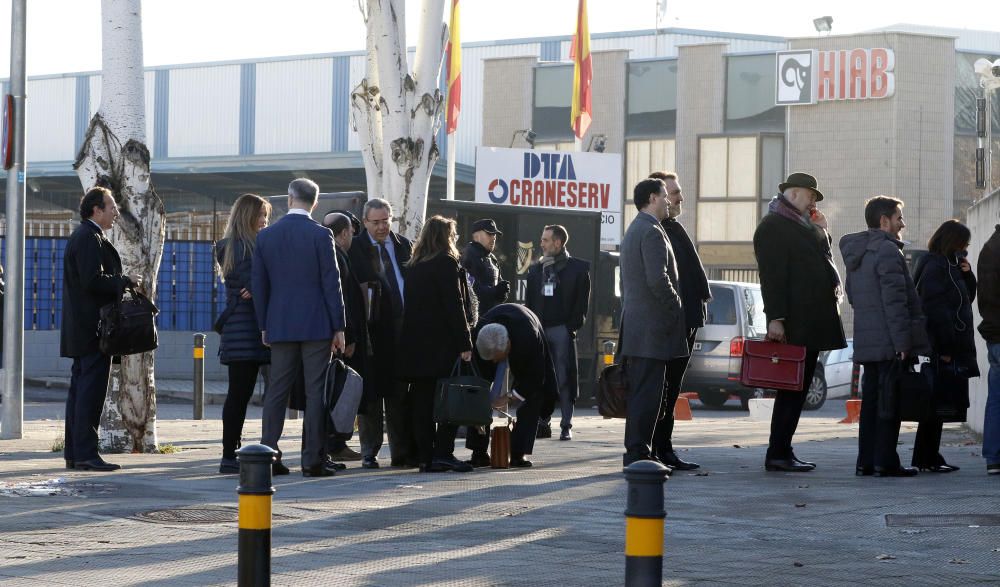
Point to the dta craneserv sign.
(562, 180)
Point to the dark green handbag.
(463, 400)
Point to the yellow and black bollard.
(255, 492)
(198, 394)
(644, 515)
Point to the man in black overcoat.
(92, 278)
(482, 267)
(801, 290)
(378, 257)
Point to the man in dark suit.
(558, 292)
(511, 336)
(695, 295)
(801, 289)
(92, 277)
(300, 310)
(378, 257)
(482, 267)
(652, 326)
(342, 225)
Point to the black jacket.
(240, 340)
(435, 322)
(572, 289)
(529, 361)
(693, 283)
(92, 277)
(484, 274)
(354, 307)
(947, 293)
(798, 282)
(989, 288)
(382, 326)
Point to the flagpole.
(451, 167)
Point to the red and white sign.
(562, 180)
(810, 76)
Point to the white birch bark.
(398, 113)
(114, 154)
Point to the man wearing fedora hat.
(801, 290)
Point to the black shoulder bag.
(128, 326)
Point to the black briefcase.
(910, 394)
(128, 326)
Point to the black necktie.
(390, 276)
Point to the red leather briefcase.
(773, 365)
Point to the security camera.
(995, 70)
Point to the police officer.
(482, 267)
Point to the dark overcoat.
(529, 361)
(798, 282)
(92, 277)
(484, 275)
(354, 306)
(947, 293)
(435, 323)
(240, 339)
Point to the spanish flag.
(454, 58)
(583, 74)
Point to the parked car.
(735, 314)
(838, 366)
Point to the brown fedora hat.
(801, 180)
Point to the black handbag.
(128, 326)
(908, 394)
(612, 389)
(463, 400)
(951, 391)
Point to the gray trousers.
(561, 350)
(288, 360)
(397, 423)
(643, 398)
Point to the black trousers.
(644, 399)
(431, 440)
(242, 380)
(877, 437)
(676, 368)
(88, 388)
(927, 445)
(787, 410)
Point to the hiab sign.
(554, 179)
(810, 76)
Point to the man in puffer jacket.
(888, 325)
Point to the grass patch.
(168, 449)
(58, 445)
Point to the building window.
(734, 174)
(643, 157)
(652, 98)
(552, 103)
(750, 83)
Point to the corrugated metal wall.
(204, 111)
(51, 116)
(294, 106)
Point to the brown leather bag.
(612, 388)
(500, 447)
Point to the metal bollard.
(255, 491)
(609, 353)
(199, 376)
(644, 515)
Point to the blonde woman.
(240, 347)
(435, 334)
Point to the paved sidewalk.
(559, 523)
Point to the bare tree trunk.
(396, 113)
(114, 155)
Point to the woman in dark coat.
(437, 319)
(240, 347)
(947, 288)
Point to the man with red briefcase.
(801, 289)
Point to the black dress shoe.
(321, 471)
(97, 464)
(801, 462)
(897, 472)
(441, 464)
(479, 460)
(229, 466)
(786, 465)
(670, 459)
(369, 463)
(544, 431)
(328, 462)
(520, 463)
(278, 468)
(864, 471)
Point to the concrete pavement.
(170, 519)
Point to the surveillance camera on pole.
(989, 79)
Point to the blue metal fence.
(189, 293)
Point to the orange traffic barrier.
(682, 409)
(853, 412)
